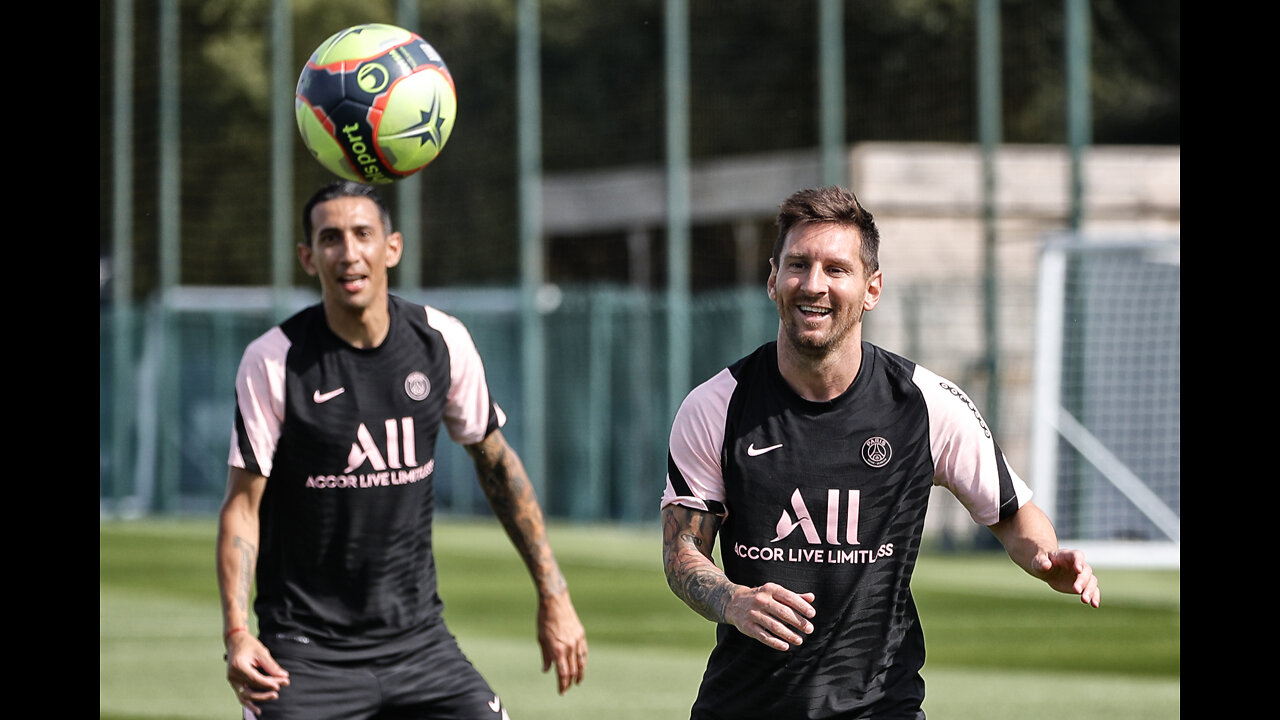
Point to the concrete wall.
(927, 199)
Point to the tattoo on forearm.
(691, 573)
(506, 485)
(244, 585)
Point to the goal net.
(1105, 446)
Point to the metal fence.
(164, 448)
(201, 177)
(607, 427)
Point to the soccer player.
(329, 496)
(813, 458)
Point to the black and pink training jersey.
(830, 498)
(346, 438)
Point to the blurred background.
(602, 216)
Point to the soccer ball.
(375, 103)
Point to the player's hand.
(253, 673)
(563, 639)
(771, 614)
(1066, 571)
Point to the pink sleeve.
(260, 402)
(466, 414)
(966, 459)
(694, 473)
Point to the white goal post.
(1105, 440)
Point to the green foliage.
(753, 87)
(1001, 646)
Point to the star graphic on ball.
(429, 129)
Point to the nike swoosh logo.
(495, 703)
(320, 397)
(753, 452)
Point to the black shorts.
(434, 682)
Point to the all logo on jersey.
(831, 537)
(364, 449)
(803, 520)
(372, 465)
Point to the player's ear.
(395, 249)
(307, 258)
(771, 285)
(874, 286)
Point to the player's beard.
(843, 322)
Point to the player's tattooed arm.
(242, 588)
(770, 613)
(688, 537)
(505, 483)
(253, 674)
(237, 543)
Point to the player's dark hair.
(829, 205)
(341, 189)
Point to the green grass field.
(1001, 645)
